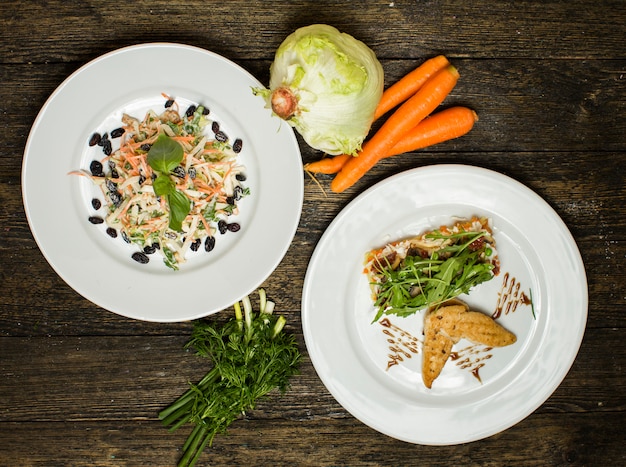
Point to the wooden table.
(83, 386)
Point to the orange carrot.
(392, 97)
(328, 165)
(409, 84)
(439, 127)
(405, 118)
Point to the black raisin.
(195, 245)
(237, 145)
(205, 111)
(117, 132)
(95, 139)
(241, 177)
(96, 169)
(221, 136)
(96, 219)
(141, 180)
(140, 257)
(114, 174)
(237, 193)
(179, 171)
(149, 249)
(125, 237)
(234, 227)
(215, 126)
(169, 103)
(209, 243)
(145, 147)
(222, 226)
(111, 232)
(103, 138)
(230, 200)
(190, 111)
(192, 172)
(116, 198)
(107, 148)
(96, 203)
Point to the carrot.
(328, 165)
(407, 116)
(392, 96)
(439, 127)
(409, 84)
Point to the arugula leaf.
(420, 283)
(165, 154)
(251, 356)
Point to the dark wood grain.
(83, 386)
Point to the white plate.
(351, 354)
(58, 205)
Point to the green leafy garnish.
(420, 283)
(251, 356)
(164, 156)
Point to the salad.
(171, 185)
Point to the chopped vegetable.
(251, 356)
(405, 118)
(326, 84)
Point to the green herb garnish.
(251, 356)
(420, 283)
(164, 156)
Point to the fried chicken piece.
(445, 326)
(437, 348)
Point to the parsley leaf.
(251, 356)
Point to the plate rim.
(333, 386)
(288, 141)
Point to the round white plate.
(58, 205)
(374, 371)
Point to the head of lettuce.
(326, 84)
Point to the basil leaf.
(163, 185)
(165, 154)
(179, 208)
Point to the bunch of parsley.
(251, 356)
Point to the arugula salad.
(425, 271)
(171, 185)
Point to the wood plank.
(581, 191)
(132, 378)
(539, 106)
(566, 439)
(525, 29)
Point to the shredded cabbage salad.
(209, 175)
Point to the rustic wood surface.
(82, 386)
